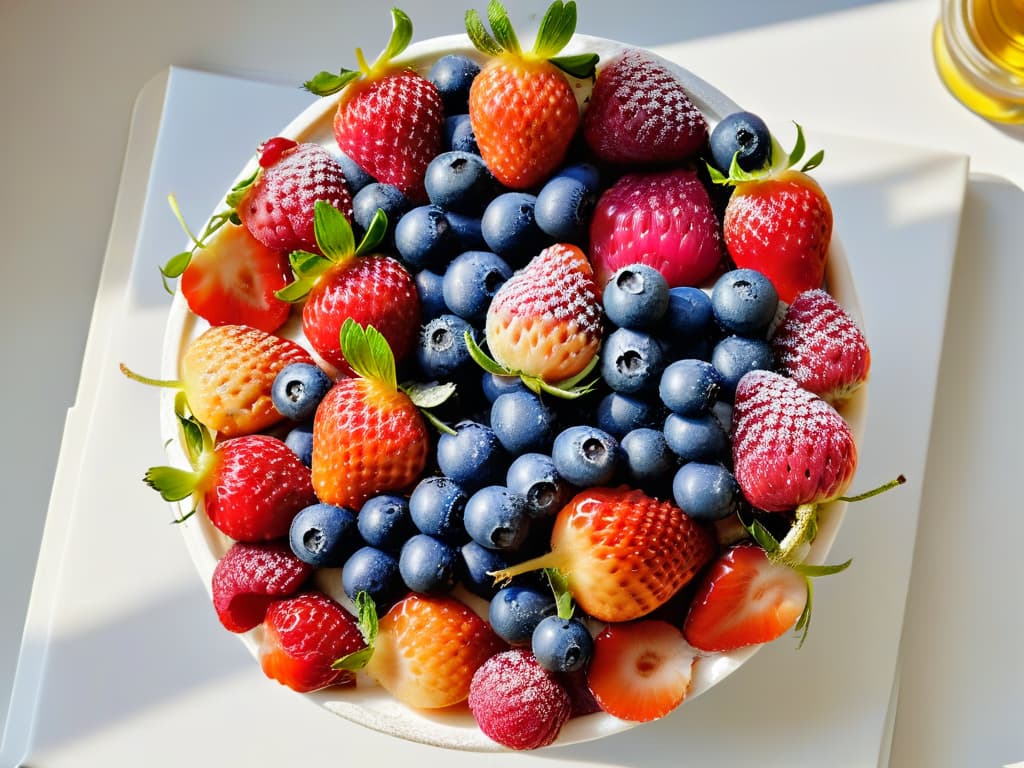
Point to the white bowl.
(368, 704)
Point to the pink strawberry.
(389, 118)
(518, 703)
(545, 322)
(640, 113)
(663, 219)
(250, 577)
(820, 346)
(640, 670)
(790, 447)
(302, 638)
(779, 222)
(277, 207)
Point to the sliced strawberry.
(250, 577)
(302, 638)
(233, 278)
(640, 670)
(745, 599)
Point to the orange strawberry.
(544, 324)
(368, 434)
(622, 553)
(227, 374)
(522, 107)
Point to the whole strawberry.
(522, 107)
(779, 221)
(368, 435)
(640, 113)
(622, 553)
(277, 206)
(389, 118)
(249, 577)
(821, 347)
(545, 322)
(664, 219)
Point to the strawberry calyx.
(560, 588)
(177, 264)
(368, 622)
(779, 161)
(327, 83)
(336, 241)
(556, 30)
(566, 389)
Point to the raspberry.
(249, 577)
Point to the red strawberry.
(277, 207)
(779, 222)
(745, 599)
(821, 347)
(545, 322)
(640, 113)
(662, 219)
(640, 670)
(343, 284)
(522, 108)
(518, 703)
(790, 447)
(302, 638)
(368, 435)
(389, 118)
(622, 553)
(250, 577)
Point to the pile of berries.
(562, 407)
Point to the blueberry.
(428, 565)
(478, 563)
(745, 133)
(323, 535)
(706, 492)
(723, 412)
(522, 422)
(468, 231)
(375, 572)
(689, 387)
(564, 208)
(430, 287)
(744, 302)
(436, 507)
(618, 414)
(385, 522)
(494, 386)
(472, 457)
(510, 228)
(377, 196)
(497, 518)
(636, 297)
(734, 356)
(471, 281)
(458, 134)
(300, 440)
(697, 438)
(534, 477)
(631, 362)
(690, 322)
(356, 176)
(441, 349)
(298, 389)
(562, 645)
(515, 611)
(424, 238)
(585, 173)
(585, 456)
(647, 456)
(459, 181)
(453, 75)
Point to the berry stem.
(803, 531)
(166, 383)
(553, 559)
(899, 480)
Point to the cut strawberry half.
(640, 670)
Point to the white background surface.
(70, 74)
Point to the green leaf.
(582, 66)
(195, 437)
(763, 537)
(813, 571)
(327, 83)
(295, 291)
(556, 29)
(429, 395)
(439, 425)
(172, 483)
(484, 360)
(560, 587)
(374, 233)
(502, 28)
(798, 149)
(401, 36)
(234, 197)
(333, 232)
(368, 353)
(367, 620)
(176, 265)
(308, 265)
(716, 175)
(803, 624)
(814, 162)
(479, 36)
